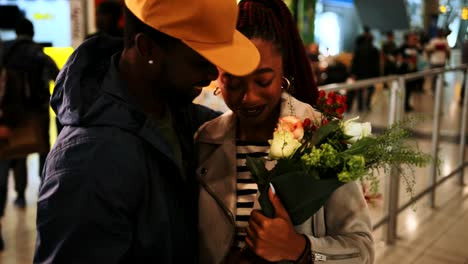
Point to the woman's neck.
(261, 131)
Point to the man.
(407, 62)
(389, 49)
(365, 65)
(119, 185)
(108, 14)
(26, 61)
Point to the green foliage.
(325, 153)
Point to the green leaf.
(360, 146)
(324, 131)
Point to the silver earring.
(216, 91)
(150, 61)
(287, 82)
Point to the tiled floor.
(425, 235)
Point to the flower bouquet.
(315, 157)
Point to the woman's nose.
(249, 94)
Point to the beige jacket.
(340, 232)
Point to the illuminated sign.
(43, 16)
(51, 19)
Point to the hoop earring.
(287, 82)
(150, 61)
(216, 91)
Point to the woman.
(341, 230)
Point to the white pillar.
(78, 22)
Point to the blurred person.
(313, 54)
(366, 34)
(108, 15)
(407, 61)
(228, 193)
(13, 106)
(35, 69)
(364, 65)
(8, 103)
(119, 185)
(438, 51)
(389, 49)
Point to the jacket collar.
(223, 128)
(146, 128)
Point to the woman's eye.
(264, 83)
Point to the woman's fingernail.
(272, 188)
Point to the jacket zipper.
(317, 256)
(225, 209)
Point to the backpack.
(12, 103)
(25, 75)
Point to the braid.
(271, 20)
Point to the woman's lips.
(251, 111)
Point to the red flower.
(341, 99)
(340, 110)
(321, 93)
(330, 101)
(306, 122)
(325, 121)
(332, 95)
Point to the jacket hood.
(89, 91)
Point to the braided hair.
(271, 20)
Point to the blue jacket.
(112, 191)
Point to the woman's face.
(255, 97)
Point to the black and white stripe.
(246, 187)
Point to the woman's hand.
(274, 239)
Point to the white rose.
(283, 144)
(356, 130)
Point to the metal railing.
(397, 92)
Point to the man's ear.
(147, 48)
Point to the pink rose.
(291, 124)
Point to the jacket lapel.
(219, 155)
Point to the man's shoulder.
(195, 115)
(97, 143)
(203, 111)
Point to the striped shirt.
(246, 188)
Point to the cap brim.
(240, 57)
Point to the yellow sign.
(43, 16)
(60, 56)
(443, 9)
(464, 13)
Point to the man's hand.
(274, 239)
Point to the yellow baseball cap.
(206, 26)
